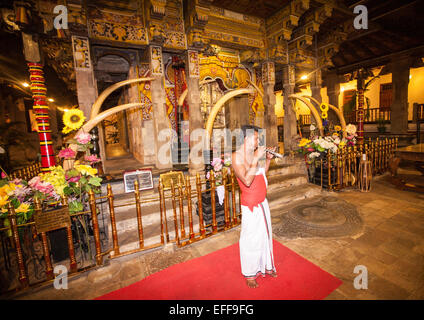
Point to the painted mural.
(144, 92)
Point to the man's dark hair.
(249, 129)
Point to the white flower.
(314, 155)
(312, 127)
(350, 129)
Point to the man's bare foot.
(251, 283)
(273, 274)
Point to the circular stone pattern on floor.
(328, 217)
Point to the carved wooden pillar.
(399, 108)
(289, 113)
(196, 161)
(316, 84)
(270, 119)
(360, 108)
(161, 128)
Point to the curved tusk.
(87, 127)
(184, 94)
(313, 111)
(336, 110)
(102, 97)
(217, 107)
(256, 87)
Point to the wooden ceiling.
(394, 26)
(258, 8)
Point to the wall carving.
(105, 25)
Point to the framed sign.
(171, 175)
(142, 176)
(52, 220)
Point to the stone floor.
(391, 247)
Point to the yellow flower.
(342, 143)
(7, 189)
(23, 207)
(337, 128)
(66, 130)
(73, 119)
(85, 169)
(303, 142)
(4, 201)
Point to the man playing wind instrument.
(256, 251)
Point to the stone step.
(278, 182)
(127, 230)
(278, 199)
(292, 167)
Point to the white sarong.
(256, 250)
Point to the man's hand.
(270, 156)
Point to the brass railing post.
(112, 220)
(174, 207)
(139, 217)
(180, 198)
(189, 208)
(162, 210)
(73, 260)
(96, 232)
(23, 278)
(200, 205)
(214, 224)
(44, 243)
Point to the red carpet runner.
(217, 276)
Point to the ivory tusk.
(102, 97)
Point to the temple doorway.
(111, 69)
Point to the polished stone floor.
(390, 246)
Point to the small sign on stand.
(142, 176)
(52, 220)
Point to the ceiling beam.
(416, 51)
(398, 7)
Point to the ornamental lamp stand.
(365, 174)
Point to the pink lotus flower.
(92, 159)
(41, 186)
(83, 138)
(3, 175)
(67, 153)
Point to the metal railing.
(182, 197)
(27, 173)
(339, 170)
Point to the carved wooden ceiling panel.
(258, 8)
